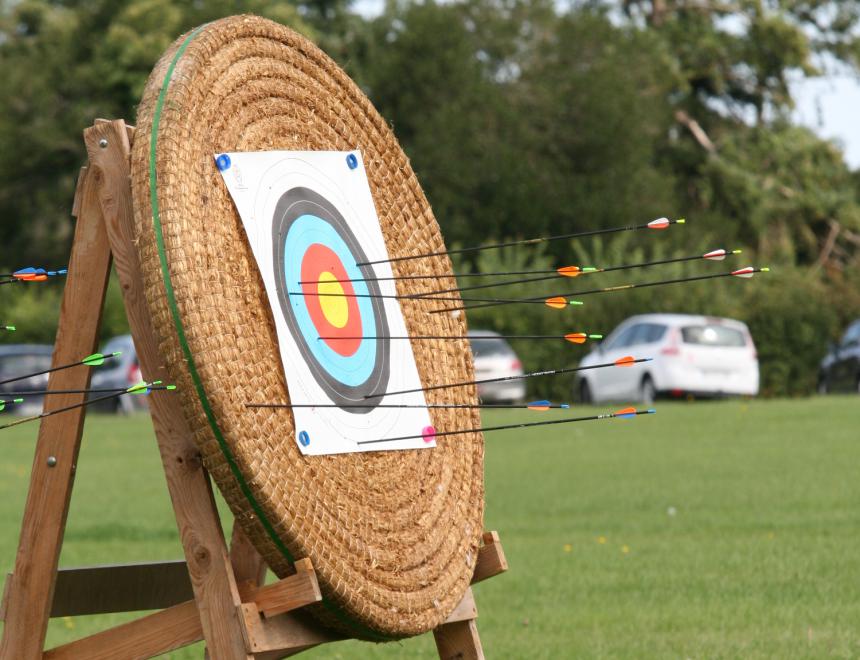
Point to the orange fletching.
(625, 411)
(556, 303)
(569, 271)
(627, 361)
(576, 337)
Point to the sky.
(831, 107)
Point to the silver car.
(494, 358)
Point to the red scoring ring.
(318, 259)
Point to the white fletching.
(747, 272)
(715, 255)
(659, 223)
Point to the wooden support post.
(32, 589)
(209, 566)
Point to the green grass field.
(711, 530)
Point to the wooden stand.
(214, 595)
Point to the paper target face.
(312, 226)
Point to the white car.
(494, 358)
(692, 355)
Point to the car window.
(648, 333)
(623, 339)
(852, 335)
(489, 347)
(713, 335)
(26, 363)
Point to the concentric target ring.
(311, 238)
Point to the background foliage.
(521, 118)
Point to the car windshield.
(488, 347)
(713, 335)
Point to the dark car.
(18, 360)
(840, 368)
(118, 373)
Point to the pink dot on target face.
(429, 434)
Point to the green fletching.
(94, 360)
(17, 400)
(10, 327)
(139, 388)
(170, 387)
(2, 405)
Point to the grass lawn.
(713, 530)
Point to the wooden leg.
(32, 588)
(209, 566)
(458, 641)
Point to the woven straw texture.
(393, 535)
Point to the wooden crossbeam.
(119, 588)
(179, 625)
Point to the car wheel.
(647, 391)
(585, 392)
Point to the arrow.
(627, 361)
(564, 271)
(658, 224)
(557, 301)
(431, 434)
(140, 388)
(560, 301)
(534, 405)
(10, 328)
(3, 403)
(155, 385)
(93, 360)
(31, 274)
(576, 271)
(572, 337)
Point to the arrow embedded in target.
(94, 360)
(658, 224)
(572, 337)
(627, 361)
(431, 434)
(139, 388)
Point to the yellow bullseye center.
(333, 301)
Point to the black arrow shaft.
(453, 337)
(501, 379)
(408, 405)
(511, 426)
(119, 390)
(52, 369)
(494, 302)
(528, 241)
(527, 280)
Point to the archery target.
(312, 226)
